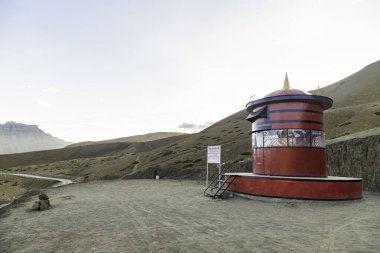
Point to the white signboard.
(213, 154)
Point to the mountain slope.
(174, 157)
(134, 138)
(80, 152)
(361, 87)
(18, 138)
(356, 102)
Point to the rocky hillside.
(19, 138)
(357, 155)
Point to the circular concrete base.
(310, 188)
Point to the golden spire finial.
(286, 82)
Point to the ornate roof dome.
(286, 95)
(286, 90)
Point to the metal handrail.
(217, 176)
(224, 183)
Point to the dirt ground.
(174, 216)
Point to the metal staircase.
(218, 186)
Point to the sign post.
(213, 156)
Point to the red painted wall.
(323, 190)
(292, 161)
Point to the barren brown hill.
(356, 102)
(174, 157)
(135, 138)
(71, 155)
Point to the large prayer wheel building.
(288, 144)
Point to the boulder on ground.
(36, 205)
(44, 197)
(42, 204)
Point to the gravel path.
(173, 216)
(61, 181)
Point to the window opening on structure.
(318, 139)
(258, 140)
(275, 138)
(288, 138)
(299, 138)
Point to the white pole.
(220, 171)
(207, 175)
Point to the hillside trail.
(137, 161)
(61, 181)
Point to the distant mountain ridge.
(19, 138)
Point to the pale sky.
(95, 70)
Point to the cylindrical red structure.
(288, 134)
(288, 143)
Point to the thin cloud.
(50, 89)
(26, 87)
(188, 126)
(43, 103)
(194, 127)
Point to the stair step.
(223, 181)
(218, 186)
